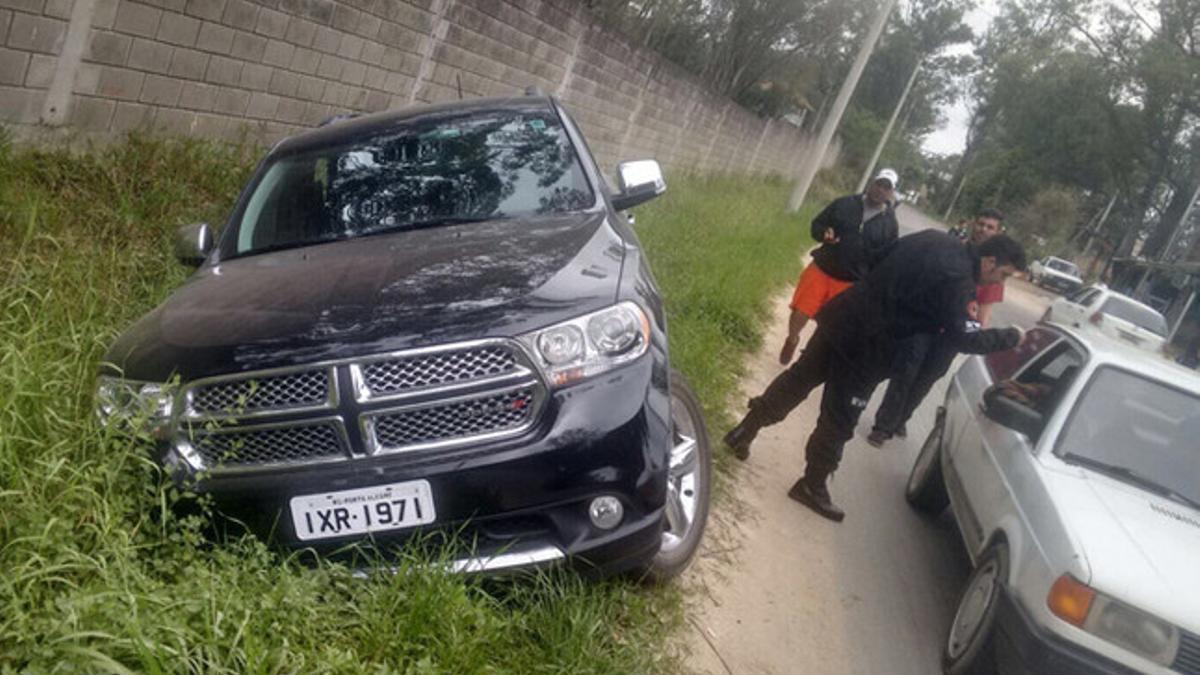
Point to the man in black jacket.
(925, 285)
(856, 232)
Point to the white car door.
(1075, 308)
(970, 440)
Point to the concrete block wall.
(265, 69)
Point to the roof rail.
(338, 118)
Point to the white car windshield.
(1137, 430)
(1062, 266)
(1136, 314)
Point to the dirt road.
(781, 590)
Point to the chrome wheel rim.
(683, 477)
(972, 609)
(923, 464)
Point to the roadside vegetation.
(98, 575)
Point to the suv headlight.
(591, 344)
(1113, 620)
(136, 405)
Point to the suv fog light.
(606, 512)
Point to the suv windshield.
(1136, 315)
(436, 170)
(1146, 430)
(1062, 266)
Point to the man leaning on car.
(925, 285)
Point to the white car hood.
(1141, 548)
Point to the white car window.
(1135, 314)
(1054, 371)
(1141, 427)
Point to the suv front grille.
(455, 421)
(426, 399)
(290, 391)
(1187, 661)
(276, 445)
(420, 371)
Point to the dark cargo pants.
(848, 386)
(921, 360)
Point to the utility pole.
(809, 171)
(1162, 256)
(1093, 233)
(954, 199)
(887, 132)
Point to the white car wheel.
(968, 647)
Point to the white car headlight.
(1114, 621)
(1132, 629)
(590, 344)
(136, 404)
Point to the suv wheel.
(926, 489)
(968, 648)
(689, 485)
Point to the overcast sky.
(951, 138)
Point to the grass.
(97, 574)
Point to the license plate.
(381, 508)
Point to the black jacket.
(861, 246)
(925, 285)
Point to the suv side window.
(1053, 372)
(1003, 365)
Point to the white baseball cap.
(890, 176)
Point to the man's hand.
(789, 349)
(1020, 335)
(830, 237)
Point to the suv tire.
(689, 484)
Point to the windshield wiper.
(436, 221)
(1132, 476)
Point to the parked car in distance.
(1070, 466)
(430, 319)
(1117, 316)
(1056, 274)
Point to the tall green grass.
(98, 575)
(719, 246)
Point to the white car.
(1079, 507)
(1056, 274)
(1117, 316)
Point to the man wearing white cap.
(856, 232)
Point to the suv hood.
(376, 294)
(1140, 547)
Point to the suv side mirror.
(193, 243)
(639, 182)
(1011, 413)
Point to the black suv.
(437, 318)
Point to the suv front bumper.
(518, 500)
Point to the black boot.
(878, 437)
(811, 492)
(740, 437)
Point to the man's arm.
(965, 331)
(985, 314)
(795, 324)
(825, 220)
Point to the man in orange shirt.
(855, 232)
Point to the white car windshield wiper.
(1131, 476)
